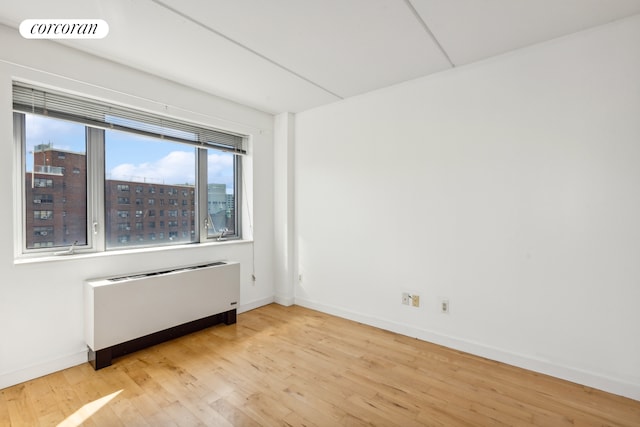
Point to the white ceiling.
(292, 55)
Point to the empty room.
(320, 213)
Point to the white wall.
(283, 227)
(510, 186)
(41, 323)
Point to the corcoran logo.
(64, 28)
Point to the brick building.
(143, 212)
(56, 193)
(137, 213)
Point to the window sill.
(34, 259)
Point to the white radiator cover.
(125, 308)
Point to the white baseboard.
(286, 301)
(590, 379)
(35, 371)
(255, 304)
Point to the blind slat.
(31, 99)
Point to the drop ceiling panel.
(169, 46)
(348, 47)
(292, 55)
(470, 30)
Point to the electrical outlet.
(405, 298)
(415, 300)
(444, 306)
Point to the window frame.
(96, 227)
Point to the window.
(98, 154)
(42, 198)
(42, 183)
(222, 203)
(42, 231)
(42, 215)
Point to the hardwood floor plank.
(234, 415)
(291, 366)
(4, 411)
(19, 406)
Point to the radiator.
(124, 314)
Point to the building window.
(42, 215)
(43, 183)
(148, 155)
(42, 198)
(43, 231)
(47, 244)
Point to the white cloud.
(220, 169)
(63, 134)
(177, 167)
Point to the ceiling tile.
(169, 46)
(470, 30)
(348, 47)
(292, 55)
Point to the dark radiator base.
(102, 358)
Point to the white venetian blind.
(35, 100)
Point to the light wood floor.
(294, 366)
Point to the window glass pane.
(55, 183)
(221, 213)
(140, 173)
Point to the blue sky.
(129, 156)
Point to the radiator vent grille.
(159, 273)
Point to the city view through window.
(150, 193)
